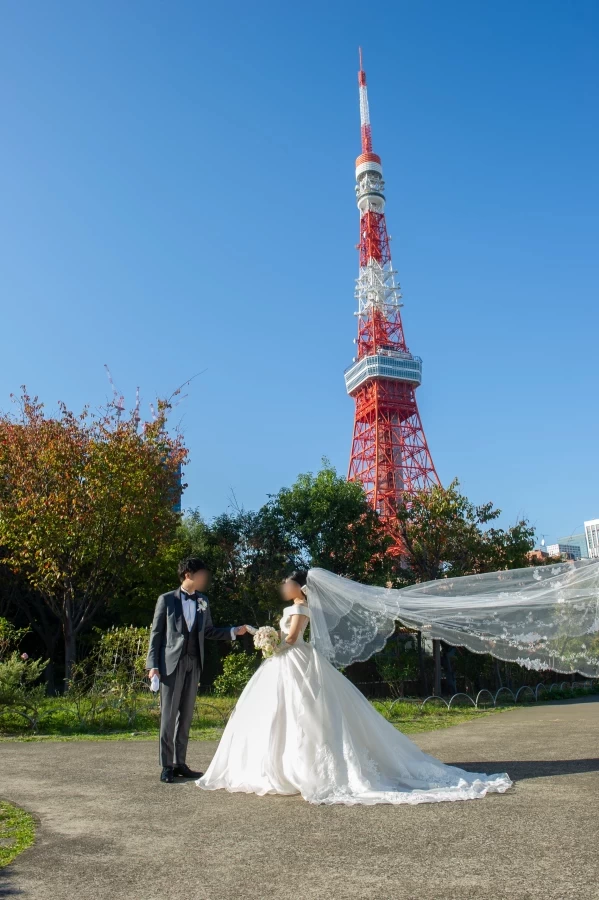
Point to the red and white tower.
(389, 454)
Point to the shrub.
(238, 668)
(122, 652)
(21, 695)
(396, 663)
(112, 677)
(10, 637)
(20, 692)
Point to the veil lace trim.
(544, 618)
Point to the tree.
(246, 557)
(321, 520)
(328, 522)
(84, 501)
(135, 602)
(249, 555)
(443, 535)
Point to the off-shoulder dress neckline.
(297, 606)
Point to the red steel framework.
(389, 453)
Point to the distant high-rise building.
(591, 530)
(565, 551)
(579, 540)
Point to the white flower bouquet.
(267, 640)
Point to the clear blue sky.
(177, 195)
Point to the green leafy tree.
(327, 521)
(251, 555)
(321, 520)
(134, 603)
(444, 534)
(246, 557)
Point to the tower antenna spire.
(364, 110)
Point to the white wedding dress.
(300, 727)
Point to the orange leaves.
(82, 497)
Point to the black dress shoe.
(167, 774)
(183, 771)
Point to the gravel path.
(109, 829)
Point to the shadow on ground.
(519, 770)
(7, 886)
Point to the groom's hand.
(241, 629)
(153, 672)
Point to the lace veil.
(542, 618)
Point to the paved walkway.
(108, 828)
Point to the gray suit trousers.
(178, 692)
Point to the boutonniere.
(202, 605)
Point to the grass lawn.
(137, 716)
(133, 718)
(62, 720)
(17, 832)
(411, 719)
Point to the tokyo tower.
(389, 453)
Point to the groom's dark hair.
(191, 564)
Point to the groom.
(176, 655)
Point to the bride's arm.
(297, 624)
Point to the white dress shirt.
(190, 608)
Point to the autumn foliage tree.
(84, 500)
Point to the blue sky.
(178, 195)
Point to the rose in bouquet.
(267, 640)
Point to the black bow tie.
(189, 596)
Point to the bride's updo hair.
(300, 576)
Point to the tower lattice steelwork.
(389, 454)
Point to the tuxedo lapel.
(178, 611)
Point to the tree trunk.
(47, 627)
(498, 681)
(70, 648)
(50, 640)
(49, 676)
(437, 657)
(446, 661)
(423, 687)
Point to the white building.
(591, 530)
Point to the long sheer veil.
(542, 618)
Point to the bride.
(300, 727)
